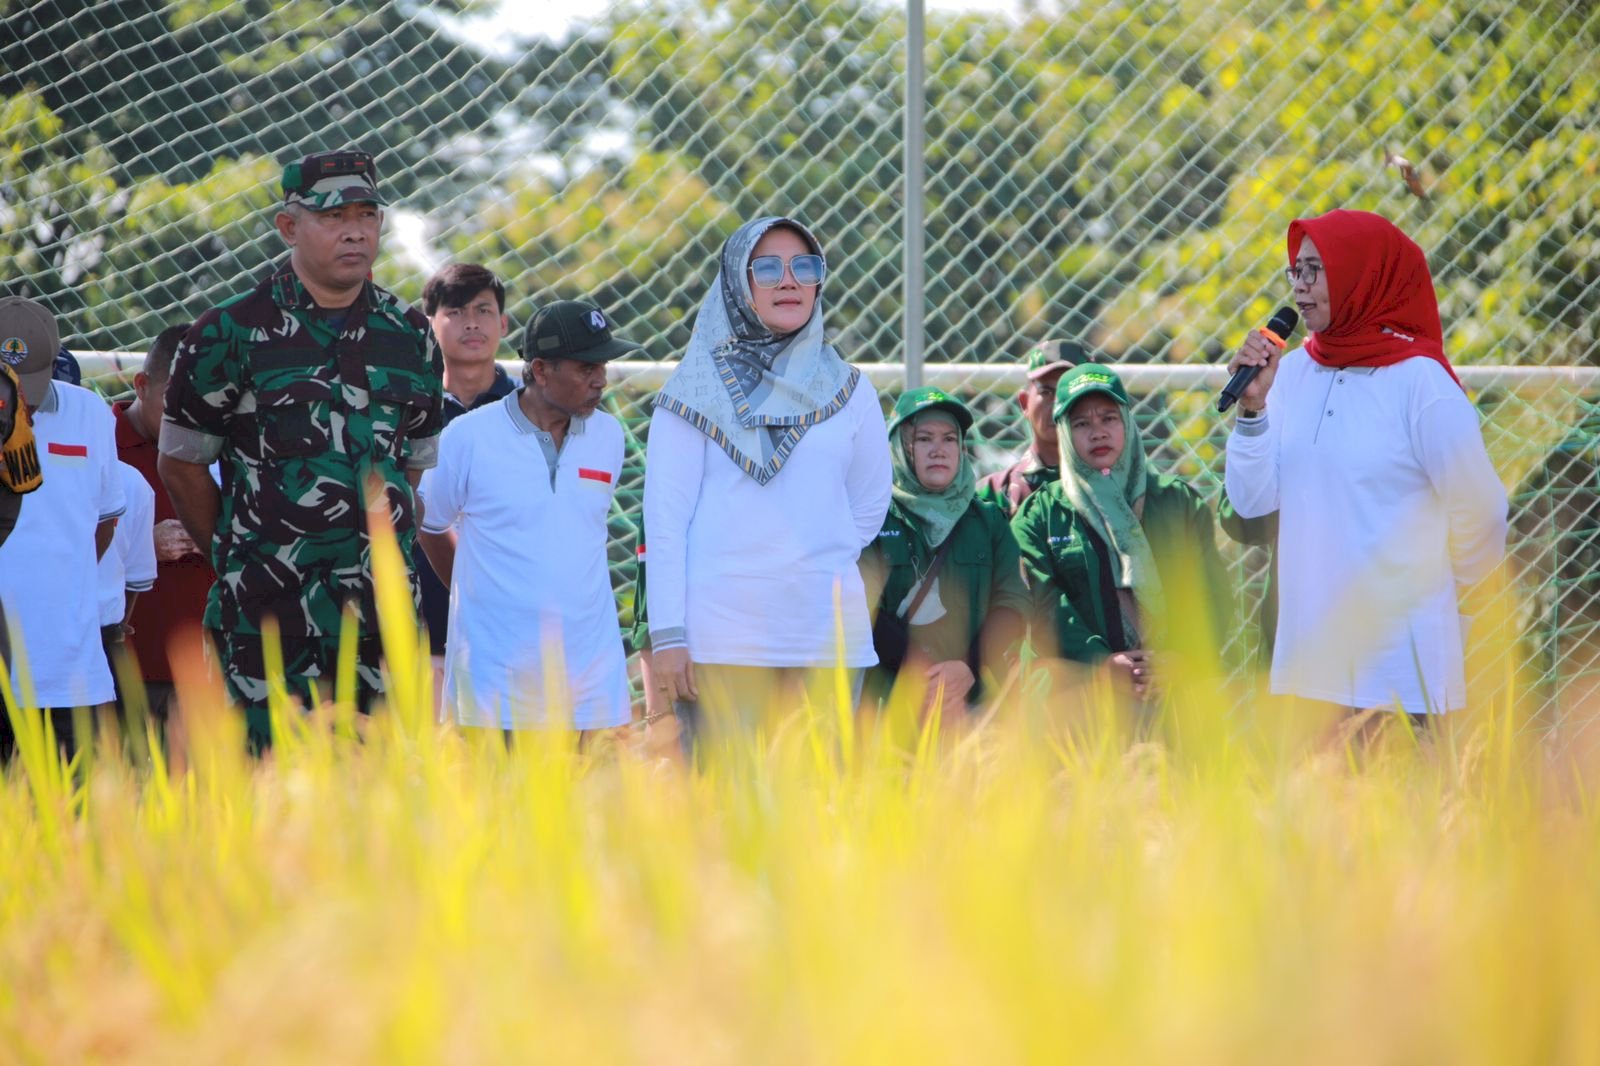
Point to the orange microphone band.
(1273, 337)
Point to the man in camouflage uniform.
(1047, 361)
(313, 389)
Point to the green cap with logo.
(1080, 381)
(1048, 357)
(913, 403)
(326, 180)
(573, 329)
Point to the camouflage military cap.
(1048, 357)
(326, 180)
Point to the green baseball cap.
(326, 180)
(573, 329)
(1078, 382)
(917, 401)
(1047, 357)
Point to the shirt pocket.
(1071, 560)
(972, 568)
(892, 544)
(293, 414)
(399, 397)
(595, 486)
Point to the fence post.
(912, 214)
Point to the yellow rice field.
(1037, 887)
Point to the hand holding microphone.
(1256, 363)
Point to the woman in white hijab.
(766, 473)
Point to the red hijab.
(1380, 292)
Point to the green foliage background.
(1120, 171)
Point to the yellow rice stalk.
(1058, 880)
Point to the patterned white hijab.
(754, 392)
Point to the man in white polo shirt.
(515, 523)
(48, 564)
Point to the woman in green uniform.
(942, 576)
(1119, 561)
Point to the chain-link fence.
(1120, 173)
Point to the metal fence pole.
(913, 212)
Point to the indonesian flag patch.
(68, 454)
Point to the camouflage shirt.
(301, 417)
(1009, 487)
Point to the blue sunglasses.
(766, 271)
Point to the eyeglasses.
(1305, 273)
(767, 270)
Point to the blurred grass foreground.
(1036, 886)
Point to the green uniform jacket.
(980, 575)
(1068, 573)
(1257, 532)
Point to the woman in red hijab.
(1366, 445)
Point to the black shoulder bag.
(891, 633)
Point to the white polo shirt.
(533, 621)
(1387, 504)
(129, 565)
(48, 571)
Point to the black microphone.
(1277, 331)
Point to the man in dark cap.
(1047, 361)
(516, 525)
(68, 465)
(320, 394)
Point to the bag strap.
(927, 578)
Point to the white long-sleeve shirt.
(748, 574)
(1387, 503)
(129, 564)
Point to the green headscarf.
(1106, 501)
(934, 514)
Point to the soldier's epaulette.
(391, 307)
(237, 298)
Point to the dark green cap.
(1047, 357)
(919, 400)
(1078, 382)
(327, 180)
(573, 329)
